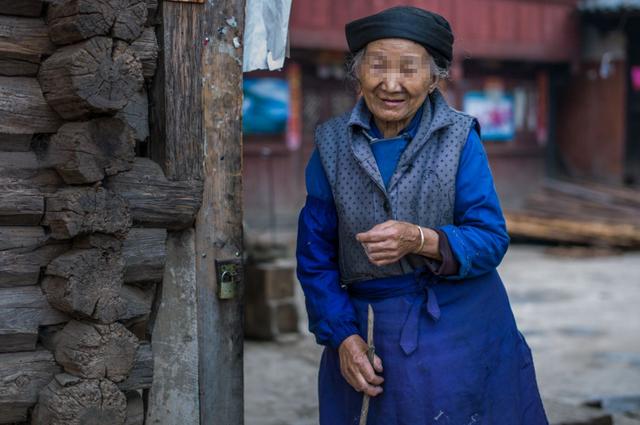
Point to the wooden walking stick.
(370, 354)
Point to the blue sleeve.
(332, 317)
(316, 179)
(478, 237)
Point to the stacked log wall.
(83, 220)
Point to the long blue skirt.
(451, 353)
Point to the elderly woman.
(402, 214)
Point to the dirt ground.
(581, 317)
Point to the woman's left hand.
(388, 242)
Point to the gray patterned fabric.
(421, 190)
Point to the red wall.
(543, 30)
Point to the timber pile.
(83, 222)
(589, 214)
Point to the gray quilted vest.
(421, 190)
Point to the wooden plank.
(22, 376)
(173, 397)
(141, 375)
(144, 252)
(155, 201)
(176, 132)
(219, 221)
(23, 41)
(24, 250)
(21, 7)
(23, 109)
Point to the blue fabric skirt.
(451, 353)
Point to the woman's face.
(395, 77)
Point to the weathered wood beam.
(174, 393)
(24, 250)
(141, 375)
(22, 376)
(81, 210)
(145, 48)
(136, 115)
(71, 21)
(137, 300)
(219, 221)
(176, 124)
(86, 283)
(90, 77)
(21, 7)
(23, 41)
(153, 200)
(22, 310)
(23, 108)
(144, 252)
(68, 399)
(84, 152)
(91, 350)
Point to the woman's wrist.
(427, 243)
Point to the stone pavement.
(581, 317)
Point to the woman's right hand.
(356, 369)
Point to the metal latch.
(228, 272)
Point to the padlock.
(227, 280)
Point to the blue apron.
(451, 353)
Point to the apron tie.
(410, 330)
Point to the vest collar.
(436, 115)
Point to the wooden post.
(219, 222)
(196, 134)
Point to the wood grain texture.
(22, 376)
(136, 115)
(74, 211)
(141, 375)
(22, 310)
(71, 400)
(96, 351)
(20, 313)
(173, 398)
(144, 252)
(176, 132)
(86, 283)
(71, 21)
(90, 78)
(145, 48)
(137, 300)
(219, 221)
(23, 42)
(23, 109)
(24, 251)
(153, 200)
(21, 7)
(84, 152)
(23, 179)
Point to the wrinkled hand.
(388, 242)
(356, 369)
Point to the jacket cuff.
(341, 330)
(460, 252)
(449, 265)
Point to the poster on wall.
(265, 108)
(494, 111)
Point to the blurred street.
(580, 317)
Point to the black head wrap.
(426, 28)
